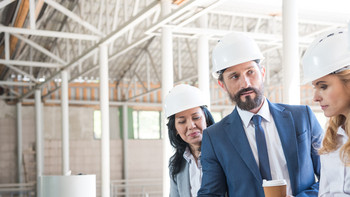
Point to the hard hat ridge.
(328, 53)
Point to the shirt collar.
(246, 116)
(187, 155)
(341, 131)
(189, 158)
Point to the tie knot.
(256, 119)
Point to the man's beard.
(249, 103)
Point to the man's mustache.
(246, 90)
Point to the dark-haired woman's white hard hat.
(183, 97)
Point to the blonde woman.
(326, 64)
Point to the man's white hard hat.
(326, 54)
(183, 97)
(233, 49)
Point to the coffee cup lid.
(274, 183)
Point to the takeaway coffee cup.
(275, 188)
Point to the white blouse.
(195, 172)
(335, 176)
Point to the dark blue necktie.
(264, 164)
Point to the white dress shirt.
(335, 176)
(195, 172)
(277, 160)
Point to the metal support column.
(203, 59)
(291, 67)
(167, 84)
(104, 105)
(65, 123)
(125, 148)
(19, 142)
(39, 139)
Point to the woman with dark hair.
(188, 116)
(327, 64)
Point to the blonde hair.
(330, 142)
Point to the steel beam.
(30, 63)
(41, 49)
(32, 17)
(5, 3)
(47, 33)
(111, 37)
(167, 18)
(16, 83)
(74, 17)
(21, 72)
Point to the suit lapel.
(235, 132)
(286, 130)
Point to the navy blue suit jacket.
(229, 166)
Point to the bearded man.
(259, 139)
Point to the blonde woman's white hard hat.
(327, 54)
(233, 49)
(183, 97)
